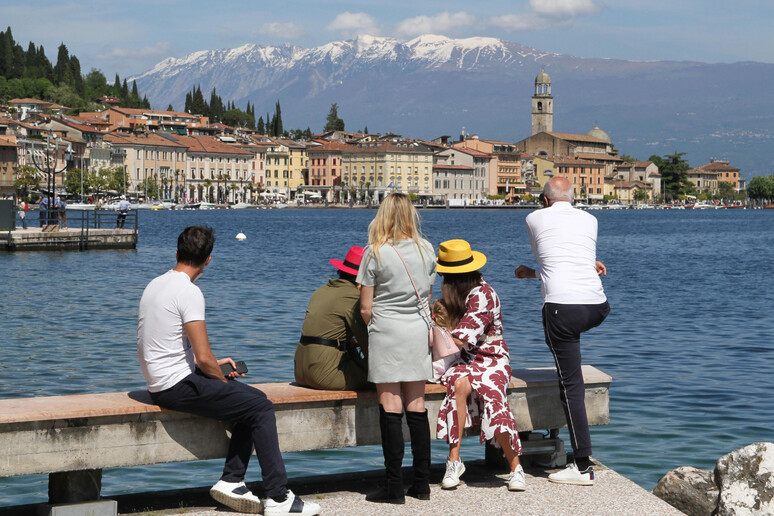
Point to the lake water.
(688, 342)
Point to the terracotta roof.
(601, 157)
(715, 167)
(28, 101)
(473, 152)
(8, 140)
(642, 164)
(153, 139)
(330, 146)
(577, 137)
(575, 162)
(80, 127)
(135, 111)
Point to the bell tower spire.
(542, 105)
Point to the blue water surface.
(688, 342)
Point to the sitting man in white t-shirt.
(183, 375)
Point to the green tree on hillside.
(333, 122)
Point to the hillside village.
(185, 157)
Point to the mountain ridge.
(433, 84)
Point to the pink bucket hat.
(351, 263)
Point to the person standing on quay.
(43, 211)
(123, 208)
(61, 207)
(564, 241)
(182, 374)
(399, 360)
(23, 207)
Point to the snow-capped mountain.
(433, 85)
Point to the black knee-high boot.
(390, 424)
(420, 449)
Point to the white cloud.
(563, 9)
(287, 30)
(352, 24)
(441, 23)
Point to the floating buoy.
(241, 236)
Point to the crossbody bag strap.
(421, 303)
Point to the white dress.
(397, 334)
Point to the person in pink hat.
(332, 352)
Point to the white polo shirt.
(165, 354)
(564, 240)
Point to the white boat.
(243, 206)
(206, 206)
(81, 206)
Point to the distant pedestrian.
(23, 207)
(43, 211)
(564, 240)
(123, 208)
(61, 207)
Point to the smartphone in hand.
(226, 369)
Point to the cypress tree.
(19, 62)
(187, 107)
(62, 66)
(170, 108)
(74, 70)
(116, 92)
(6, 53)
(146, 102)
(135, 93)
(125, 92)
(260, 127)
(45, 64)
(278, 130)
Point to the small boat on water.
(81, 206)
(243, 206)
(206, 206)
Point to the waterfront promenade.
(482, 492)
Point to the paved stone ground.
(482, 492)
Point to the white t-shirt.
(564, 240)
(165, 354)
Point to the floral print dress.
(485, 361)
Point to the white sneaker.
(571, 475)
(516, 480)
(292, 505)
(237, 496)
(454, 470)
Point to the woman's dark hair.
(455, 290)
(194, 245)
(347, 276)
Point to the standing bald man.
(564, 240)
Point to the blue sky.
(130, 37)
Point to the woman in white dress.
(399, 360)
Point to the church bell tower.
(542, 105)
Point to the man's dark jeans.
(252, 416)
(563, 325)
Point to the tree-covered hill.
(30, 74)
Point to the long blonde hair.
(397, 219)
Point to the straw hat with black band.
(456, 256)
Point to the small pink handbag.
(439, 338)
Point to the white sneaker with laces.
(237, 496)
(571, 475)
(454, 470)
(516, 480)
(292, 505)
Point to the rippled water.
(688, 342)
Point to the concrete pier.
(67, 239)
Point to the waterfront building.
(214, 171)
(278, 180)
(587, 177)
(640, 171)
(460, 173)
(373, 169)
(705, 178)
(257, 168)
(150, 157)
(8, 160)
(297, 166)
(325, 162)
(27, 107)
(504, 167)
(626, 191)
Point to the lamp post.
(46, 163)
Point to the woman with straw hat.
(475, 388)
(399, 360)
